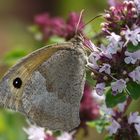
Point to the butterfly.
(47, 85)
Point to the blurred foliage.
(99, 124)
(11, 57)
(11, 124)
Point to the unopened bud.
(122, 33)
(112, 8)
(125, 2)
(127, 79)
(105, 78)
(131, 2)
(104, 29)
(124, 72)
(102, 24)
(135, 16)
(133, 9)
(107, 16)
(93, 75)
(125, 9)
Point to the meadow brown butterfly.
(47, 85)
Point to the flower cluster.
(118, 63)
(89, 108)
(126, 13)
(122, 126)
(56, 26)
(39, 133)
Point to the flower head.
(133, 36)
(135, 74)
(137, 3)
(114, 2)
(88, 108)
(132, 57)
(105, 68)
(118, 86)
(119, 16)
(121, 106)
(100, 88)
(71, 25)
(114, 38)
(137, 127)
(65, 136)
(113, 128)
(134, 118)
(56, 26)
(35, 133)
(50, 26)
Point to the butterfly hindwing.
(58, 85)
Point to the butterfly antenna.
(79, 20)
(90, 21)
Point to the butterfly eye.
(17, 82)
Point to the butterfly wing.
(51, 88)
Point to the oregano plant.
(113, 71)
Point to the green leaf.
(112, 100)
(34, 29)
(109, 138)
(134, 90)
(57, 133)
(55, 39)
(14, 55)
(133, 48)
(99, 124)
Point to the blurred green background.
(16, 16)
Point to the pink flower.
(35, 133)
(113, 128)
(134, 118)
(71, 25)
(50, 26)
(100, 88)
(105, 68)
(92, 60)
(132, 57)
(90, 45)
(106, 51)
(137, 2)
(88, 107)
(108, 112)
(49, 136)
(42, 20)
(56, 26)
(135, 74)
(119, 16)
(118, 86)
(65, 136)
(133, 36)
(113, 3)
(114, 38)
(121, 106)
(137, 127)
